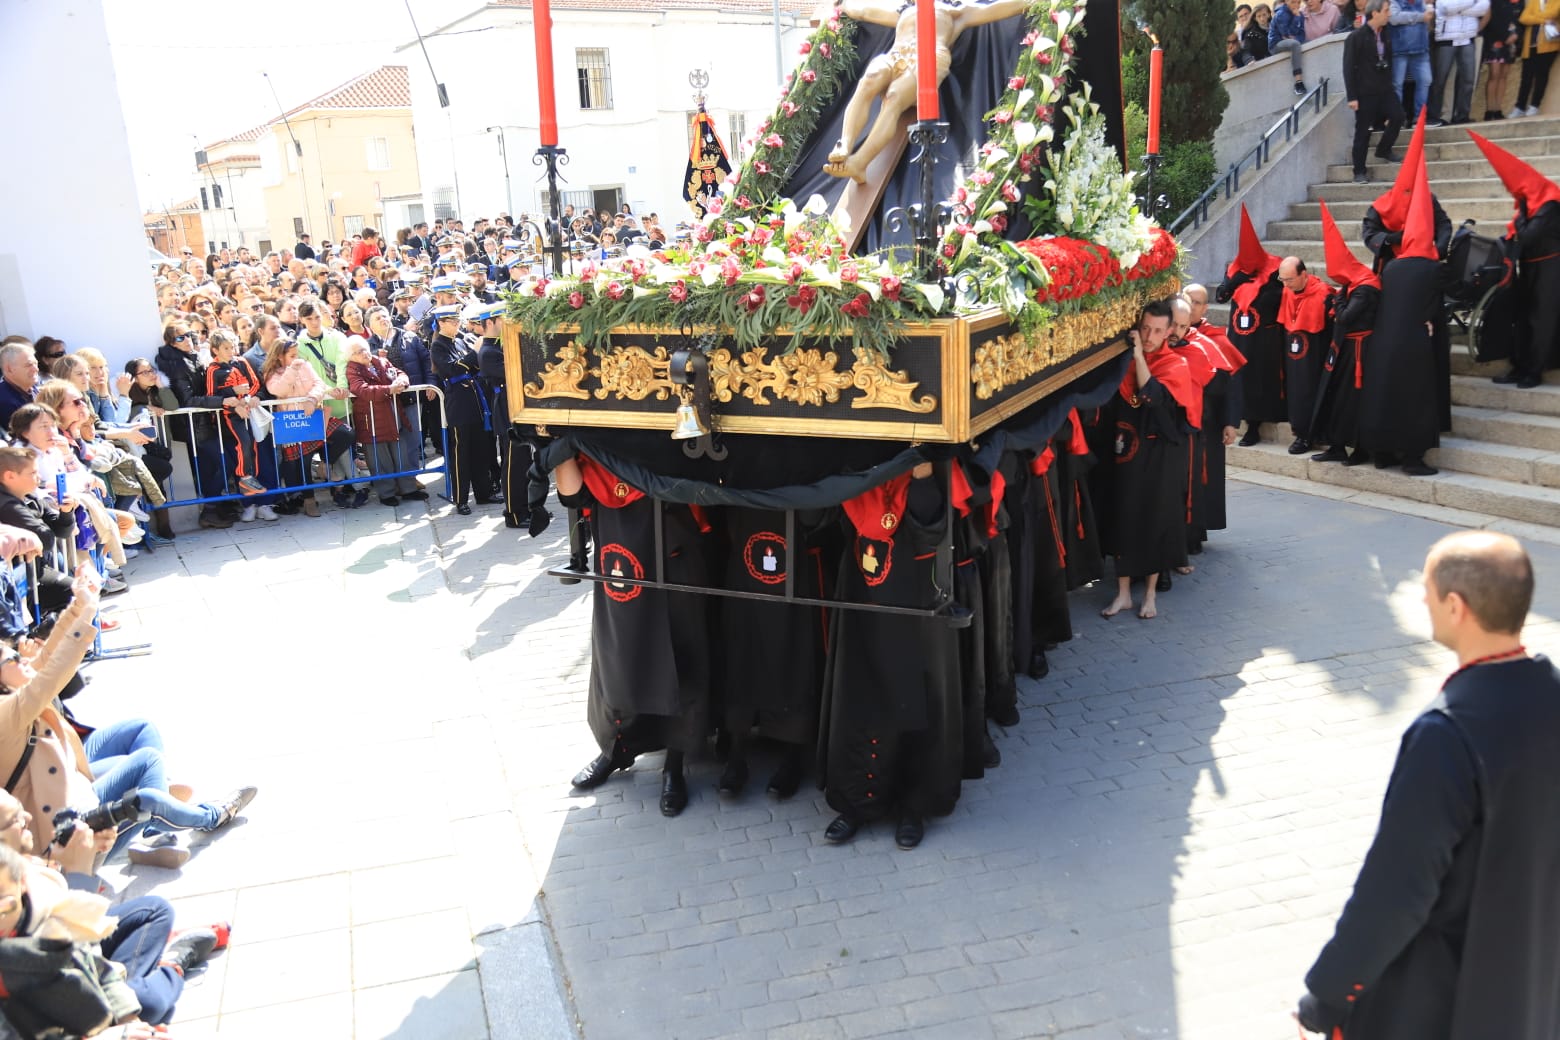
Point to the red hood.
(1343, 266)
(1392, 207)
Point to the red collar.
(877, 513)
(605, 487)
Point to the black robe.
(890, 726)
(771, 654)
(1538, 291)
(1453, 929)
(1148, 507)
(1399, 403)
(1256, 333)
(1220, 409)
(1337, 420)
(1305, 354)
(649, 665)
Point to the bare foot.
(846, 168)
(1117, 605)
(1185, 570)
(1149, 610)
(839, 153)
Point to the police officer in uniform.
(481, 291)
(455, 363)
(514, 456)
(444, 295)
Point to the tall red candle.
(1156, 72)
(926, 60)
(541, 11)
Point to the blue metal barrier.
(286, 407)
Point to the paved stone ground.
(1177, 821)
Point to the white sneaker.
(1516, 113)
(1532, 110)
(248, 515)
(140, 514)
(266, 513)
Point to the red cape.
(1175, 376)
(604, 485)
(1230, 359)
(1306, 310)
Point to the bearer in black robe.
(1307, 333)
(1453, 929)
(1536, 228)
(649, 663)
(1337, 419)
(890, 727)
(974, 525)
(1152, 411)
(771, 654)
(1201, 367)
(1252, 289)
(1399, 419)
(1221, 406)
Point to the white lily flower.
(1024, 134)
(933, 294)
(775, 255)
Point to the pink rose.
(824, 49)
(1009, 193)
(678, 292)
(541, 289)
(761, 167)
(805, 48)
(755, 299)
(761, 237)
(788, 107)
(1043, 58)
(774, 141)
(614, 290)
(576, 299)
(1030, 38)
(587, 271)
(891, 286)
(960, 194)
(714, 206)
(981, 178)
(809, 76)
(849, 272)
(998, 222)
(949, 251)
(1004, 116)
(795, 273)
(730, 270)
(743, 202)
(1016, 83)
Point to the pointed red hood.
(1252, 258)
(1525, 183)
(1392, 207)
(1343, 266)
(1419, 231)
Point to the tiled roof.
(384, 87)
(236, 159)
(797, 7)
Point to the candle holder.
(1148, 202)
(551, 156)
(929, 216)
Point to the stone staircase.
(1502, 457)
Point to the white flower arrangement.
(1093, 197)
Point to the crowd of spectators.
(1432, 45)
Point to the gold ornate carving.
(1007, 360)
(807, 377)
(633, 373)
(882, 387)
(562, 378)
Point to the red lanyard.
(1504, 655)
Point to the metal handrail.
(1260, 154)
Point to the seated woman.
(60, 771)
(286, 376)
(129, 479)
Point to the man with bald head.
(1307, 322)
(1453, 930)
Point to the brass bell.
(689, 425)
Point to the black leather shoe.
(840, 829)
(1333, 454)
(1417, 467)
(1384, 459)
(1358, 457)
(1164, 583)
(1528, 382)
(1507, 378)
(416, 496)
(1039, 667)
(463, 509)
(910, 830)
(1006, 716)
(674, 793)
(787, 779)
(1300, 446)
(1252, 436)
(600, 768)
(1389, 157)
(733, 778)
(991, 755)
(513, 521)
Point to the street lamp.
(503, 153)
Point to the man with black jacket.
(303, 251)
(21, 507)
(1367, 83)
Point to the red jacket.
(375, 418)
(363, 252)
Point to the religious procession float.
(874, 284)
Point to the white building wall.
(640, 144)
(88, 194)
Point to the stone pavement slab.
(1176, 823)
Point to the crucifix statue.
(891, 75)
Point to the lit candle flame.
(1150, 34)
